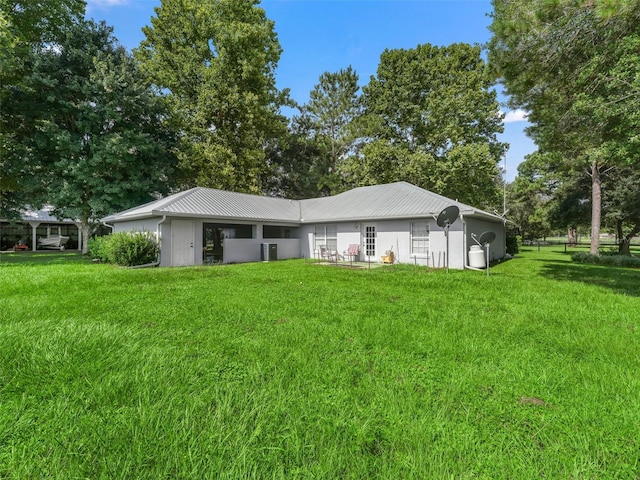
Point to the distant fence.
(534, 243)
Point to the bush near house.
(127, 249)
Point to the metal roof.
(210, 203)
(377, 202)
(393, 200)
(43, 215)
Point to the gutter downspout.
(159, 237)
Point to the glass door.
(369, 242)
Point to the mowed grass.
(293, 370)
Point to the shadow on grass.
(40, 258)
(621, 280)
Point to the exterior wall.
(150, 224)
(390, 235)
(236, 250)
(477, 227)
(243, 250)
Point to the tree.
(101, 141)
(430, 118)
(621, 205)
(529, 197)
(574, 66)
(333, 105)
(216, 61)
(26, 27)
(298, 163)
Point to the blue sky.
(326, 35)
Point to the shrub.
(126, 248)
(512, 245)
(99, 248)
(611, 260)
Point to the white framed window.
(419, 238)
(326, 236)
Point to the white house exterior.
(203, 225)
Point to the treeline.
(93, 128)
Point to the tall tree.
(333, 105)
(26, 27)
(299, 163)
(430, 117)
(216, 60)
(574, 66)
(101, 142)
(529, 196)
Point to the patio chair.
(326, 254)
(353, 252)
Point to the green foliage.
(99, 248)
(609, 260)
(430, 119)
(288, 370)
(216, 60)
(25, 28)
(512, 244)
(333, 106)
(125, 248)
(100, 132)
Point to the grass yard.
(291, 370)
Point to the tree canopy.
(216, 61)
(431, 118)
(25, 28)
(100, 139)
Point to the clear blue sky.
(326, 35)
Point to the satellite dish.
(487, 237)
(447, 216)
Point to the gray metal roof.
(210, 203)
(43, 215)
(378, 202)
(393, 200)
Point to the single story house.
(203, 225)
(35, 225)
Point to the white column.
(34, 226)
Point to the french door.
(369, 241)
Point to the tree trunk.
(624, 245)
(596, 207)
(86, 230)
(572, 236)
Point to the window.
(326, 235)
(271, 231)
(419, 238)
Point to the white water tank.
(476, 257)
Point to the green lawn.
(293, 370)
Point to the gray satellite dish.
(444, 220)
(485, 239)
(448, 216)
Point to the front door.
(183, 233)
(369, 242)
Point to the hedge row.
(612, 260)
